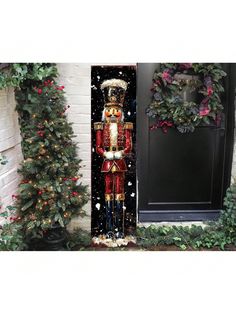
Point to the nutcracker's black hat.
(114, 92)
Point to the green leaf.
(177, 239)
(183, 247)
(61, 222)
(58, 188)
(4, 214)
(27, 205)
(64, 158)
(206, 120)
(24, 186)
(11, 208)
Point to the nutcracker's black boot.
(109, 219)
(119, 218)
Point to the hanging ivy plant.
(13, 74)
(174, 103)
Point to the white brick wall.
(9, 146)
(76, 78)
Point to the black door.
(182, 177)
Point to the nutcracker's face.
(113, 114)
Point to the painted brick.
(82, 128)
(83, 138)
(74, 90)
(85, 172)
(85, 156)
(72, 70)
(11, 186)
(84, 147)
(76, 79)
(234, 155)
(82, 118)
(3, 100)
(9, 176)
(86, 166)
(78, 109)
(9, 146)
(79, 100)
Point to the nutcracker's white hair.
(104, 118)
(115, 83)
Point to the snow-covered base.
(101, 240)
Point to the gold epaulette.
(98, 126)
(128, 125)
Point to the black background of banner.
(98, 75)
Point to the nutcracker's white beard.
(104, 117)
(113, 134)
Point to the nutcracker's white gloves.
(109, 155)
(118, 155)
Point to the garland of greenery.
(219, 234)
(168, 105)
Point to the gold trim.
(98, 126)
(114, 148)
(120, 197)
(114, 168)
(114, 104)
(109, 197)
(128, 126)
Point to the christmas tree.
(50, 191)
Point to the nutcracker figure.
(113, 143)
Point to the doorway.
(183, 177)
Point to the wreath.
(186, 95)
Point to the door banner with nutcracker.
(113, 92)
